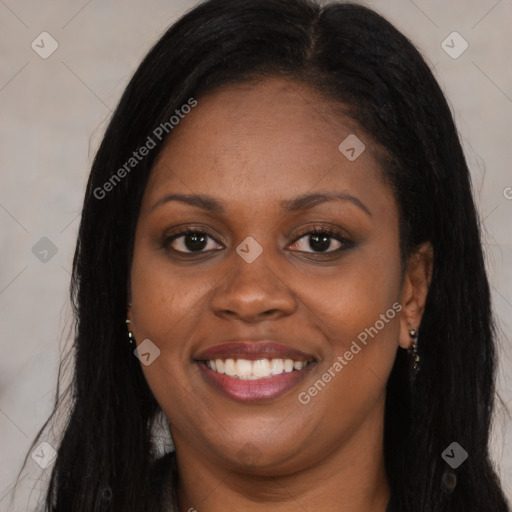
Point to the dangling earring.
(413, 350)
(131, 337)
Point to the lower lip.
(249, 391)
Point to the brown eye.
(191, 241)
(320, 240)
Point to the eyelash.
(315, 230)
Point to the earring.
(413, 350)
(131, 337)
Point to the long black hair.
(357, 59)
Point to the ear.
(417, 278)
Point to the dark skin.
(326, 454)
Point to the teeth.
(252, 370)
(243, 368)
(220, 366)
(229, 367)
(261, 368)
(277, 366)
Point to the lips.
(253, 351)
(253, 372)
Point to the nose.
(253, 292)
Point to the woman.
(280, 219)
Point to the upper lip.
(253, 351)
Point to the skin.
(250, 147)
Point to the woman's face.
(253, 291)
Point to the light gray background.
(53, 114)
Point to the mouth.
(253, 372)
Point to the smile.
(252, 372)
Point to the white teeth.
(277, 366)
(246, 369)
(243, 368)
(229, 367)
(261, 368)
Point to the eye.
(191, 240)
(321, 240)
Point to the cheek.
(165, 306)
(354, 295)
(362, 328)
(165, 311)
(357, 308)
(164, 299)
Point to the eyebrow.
(298, 203)
(306, 201)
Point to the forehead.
(267, 139)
